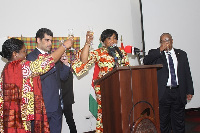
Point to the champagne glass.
(167, 48)
(92, 33)
(167, 41)
(65, 57)
(71, 34)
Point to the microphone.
(136, 52)
(114, 45)
(132, 50)
(119, 51)
(111, 52)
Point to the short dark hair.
(9, 46)
(40, 33)
(108, 33)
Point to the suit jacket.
(183, 71)
(67, 90)
(51, 82)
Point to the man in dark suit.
(68, 98)
(175, 85)
(51, 80)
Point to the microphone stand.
(116, 62)
(139, 57)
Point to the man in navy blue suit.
(51, 84)
(175, 85)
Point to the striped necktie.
(172, 71)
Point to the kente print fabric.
(30, 43)
(19, 91)
(106, 64)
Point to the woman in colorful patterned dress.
(105, 58)
(20, 90)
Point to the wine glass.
(92, 33)
(71, 34)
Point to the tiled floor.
(192, 121)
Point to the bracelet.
(64, 46)
(87, 44)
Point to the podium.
(129, 95)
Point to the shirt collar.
(41, 51)
(171, 51)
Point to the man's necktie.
(172, 71)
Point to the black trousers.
(172, 112)
(69, 118)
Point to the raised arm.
(152, 56)
(59, 51)
(85, 51)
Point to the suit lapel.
(178, 59)
(177, 54)
(37, 52)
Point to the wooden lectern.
(129, 93)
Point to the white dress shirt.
(43, 52)
(173, 55)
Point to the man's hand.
(68, 43)
(189, 97)
(64, 59)
(163, 47)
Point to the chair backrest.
(145, 123)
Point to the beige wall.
(181, 18)
(25, 17)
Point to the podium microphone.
(111, 52)
(132, 50)
(136, 52)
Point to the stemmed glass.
(71, 34)
(91, 32)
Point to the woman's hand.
(85, 51)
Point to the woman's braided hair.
(9, 46)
